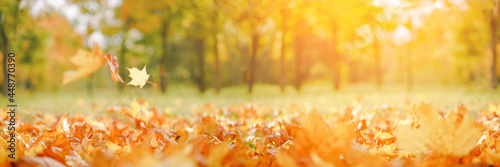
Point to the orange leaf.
(38, 161)
(113, 66)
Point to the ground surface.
(355, 126)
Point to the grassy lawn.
(182, 99)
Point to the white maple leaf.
(139, 78)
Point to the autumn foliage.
(253, 135)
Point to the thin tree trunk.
(253, 55)
(123, 51)
(284, 15)
(493, 44)
(216, 50)
(282, 62)
(164, 56)
(5, 41)
(336, 58)
(378, 61)
(298, 63)
(201, 66)
(217, 64)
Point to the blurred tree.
(170, 13)
(159, 17)
(379, 23)
(209, 16)
(286, 17)
(19, 35)
(9, 13)
(133, 15)
(494, 22)
(219, 8)
(341, 19)
(253, 16)
(283, 19)
(489, 10)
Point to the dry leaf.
(317, 138)
(38, 162)
(139, 78)
(113, 67)
(442, 136)
(86, 63)
(243, 136)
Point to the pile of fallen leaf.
(253, 135)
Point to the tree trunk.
(216, 50)
(298, 63)
(336, 57)
(378, 61)
(282, 63)
(253, 55)
(5, 41)
(164, 56)
(217, 64)
(201, 66)
(122, 60)
(493, 44)
(283, 50)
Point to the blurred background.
(238, 48)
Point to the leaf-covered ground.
(255, 135)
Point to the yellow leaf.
(34, 150)
(135, 109)
(442, 136)
(284, 159)
(86, 63)
(326, 142)
(117, 150)
(113, 147)
(387, 150)
(217, 154)
(320, 162)
(181, 158)
(139, 78)
(4, 152)
(383, 135)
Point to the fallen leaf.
(318, 139)
(217, 154)
(38, 161)
(442, 136)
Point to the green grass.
(182, 99)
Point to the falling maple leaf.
(86, 63)
(113, 66)
(139, 78)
